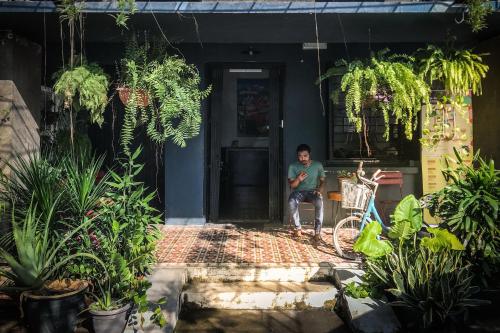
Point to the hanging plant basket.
(142, 96)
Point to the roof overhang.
(251, 7)
(260, 21)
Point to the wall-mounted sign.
(458, 135)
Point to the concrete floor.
(259, 321)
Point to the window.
(345, 143)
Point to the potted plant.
(49, 305)
(385, 83)
(84, 87)
(161, 92)
(344, 175)
(125, 237)
(424, 272)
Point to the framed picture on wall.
(253, 107)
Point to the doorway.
(244, 141)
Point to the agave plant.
(42, 177)
(39, 251)
(83, 192)
(35, 177)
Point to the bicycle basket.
(354, 196)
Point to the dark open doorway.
(244, 141)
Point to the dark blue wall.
(185, 184)
(303, 120)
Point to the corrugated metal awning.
(252, 7)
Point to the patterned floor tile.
(215, 244)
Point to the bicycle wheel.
(344, 236)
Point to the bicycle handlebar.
(360, 174)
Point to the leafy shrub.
(124, 235)
(468, 206)
(427, 274)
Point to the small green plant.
(125, 9)
(385, 83)
(362, 290)
(477, 11)
(345, 173)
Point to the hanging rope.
(45, 69)
(369, 40)
(320, 87)
(164, 36)
(343, 36)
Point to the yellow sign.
(456, 133)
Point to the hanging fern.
(387, 82)
(458, 70)
(172, 87)
(84, 87)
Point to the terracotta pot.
(125, 92)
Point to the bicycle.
(360, 197)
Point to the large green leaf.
(369, 245)
(407, 218)
(442, 239)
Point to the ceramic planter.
(54, 310)
(113, 321)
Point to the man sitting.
(306, 178)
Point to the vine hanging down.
(385, 83)
(457, 73)
(84, 87)
(162, 93)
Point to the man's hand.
(302, 175)
(318, 193)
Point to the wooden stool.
(335, 197)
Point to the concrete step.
(227, 272)
(260, 295)
(260, 321)
(365, 315)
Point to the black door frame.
(212, 139)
